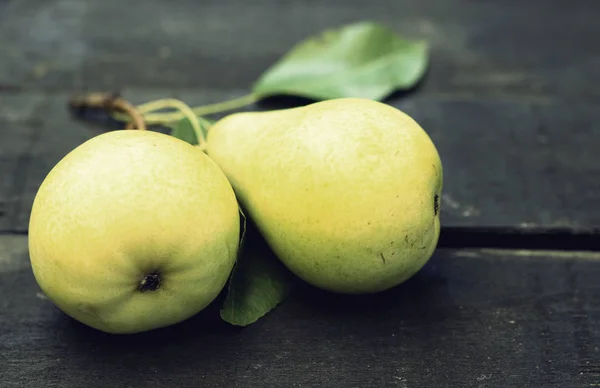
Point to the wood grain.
(533, 47)
(508, 163)
(511, 102)
(471, 318)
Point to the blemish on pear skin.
(88, 309)
(436, 204)
(382, 258)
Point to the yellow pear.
(132, 231)
(345, 191)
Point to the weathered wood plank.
(515, 162)
(508, 162)
(515, 125)
(469, 318)
(477, 46)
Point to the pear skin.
(346, 191)
(132, 231)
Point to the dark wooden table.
(510, 299)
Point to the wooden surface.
(510, 99)
(471, 318)
(512, 103)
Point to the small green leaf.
(258, 284)
(363, 59)
(185, 131)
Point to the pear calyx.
(150, 282)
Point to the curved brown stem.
(109, 102)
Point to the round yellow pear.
(132, 231)
(345, 191)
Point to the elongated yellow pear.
(346, 191)
(132, 231)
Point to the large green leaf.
(364, 59)
(258, 284)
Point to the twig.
(109, 102)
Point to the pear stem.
(142, 115)
(108, 102)
(203, 110)
(185, 112)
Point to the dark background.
(511, 298)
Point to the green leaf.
(185, 131)
(258, 284)
(364, 59)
